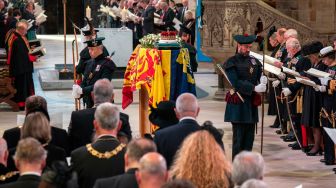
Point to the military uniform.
(244, 73)
(85, 57)
(101, 159)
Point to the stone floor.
(284, 167)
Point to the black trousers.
(243, 137)
(329, 151)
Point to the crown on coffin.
(168, 35)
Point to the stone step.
(49, 80)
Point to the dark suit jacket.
(81, 127)
(26, 181)
(126, 180)
(168, 18)
(59, 137)
(90, 168)
(148, 22)
(5, 171)
(168, 140)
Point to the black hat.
(164, 115)
(271, 31)
(312, 48)
(245, 39)
(185, 29)
(327, 51)
(95, 42)
(88, 29)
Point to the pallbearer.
(97, 67)
(245, 74)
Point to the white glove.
(286, 91)
(263, 79)
(282, 76)
(324, 81)
(76, 91)
(275, 83)
(260, 88)
(322, 89)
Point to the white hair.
(107, 116)
(186, 102)
(293, 43)
(291, 33)
(247, 165)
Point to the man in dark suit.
(7, 175)
(30, 160)
(105, 156)
(135, 150)
(181, 11)
(81, 127)
(37, 103)
(168, 16)
(147, 17)
(168, 140)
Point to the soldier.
(328, 55)
(97, 68)
(244, 73)
(89, 33)
(186, 37)
(294, 89)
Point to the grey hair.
(139, 147)
(163, 3)
(291, 33)
(107, 116)
(186, 102)
(294, 43)
(154, 164)
(254, 183)
(30, 150)
(102, 91)
(247, 165)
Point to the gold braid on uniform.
(324, 114)
(105, 155)
(8, 175)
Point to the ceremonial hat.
(327, 51)
(245, 39)
(95, 42)
(87, 31)
(185, 29)
(312, 48)
(164, 115)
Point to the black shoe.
(283, 137)
(291, 145)
(322, 160)
(296, 146)
(289, 139)
(275, 126)
(306, 149)
(319, 152)
(330, 163)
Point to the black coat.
(90, 168)
(84, 57)
(148, 22)
(59, 137)
(167, 19)
(192, 55)
(81, 127)
(168, 140)
(126, 180)
(96, 69)
(26, 181)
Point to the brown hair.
(200, 155)
(36, 125)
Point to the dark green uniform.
(192, 55)
(244, 73)
(98, 68)
(84, 57)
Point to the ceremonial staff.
(74, 60)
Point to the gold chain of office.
(105, 155)
(8, 175)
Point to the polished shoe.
(296, 146)
(322, 160)
(306, 149)
(275, 126)
(289, 139)
(319, 152)
(292, 144)
(330, 163)
(282, 137)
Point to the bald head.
(186, 105)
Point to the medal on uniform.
(251, 70)
(97, 68)
(90, 75)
